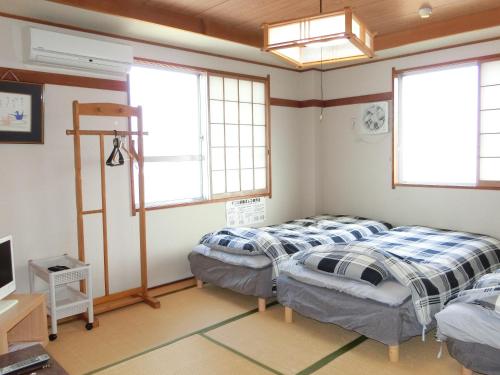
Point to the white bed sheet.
(470, 323)
(389, 292)
(250, 261)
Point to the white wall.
(37, 193)
(354, 173)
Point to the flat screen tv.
(7, 277)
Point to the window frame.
(396, 73)
(267, 192)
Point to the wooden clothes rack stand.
(116, 300)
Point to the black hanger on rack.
(116, 158)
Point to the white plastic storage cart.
(63, 293)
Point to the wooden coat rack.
(127, 297)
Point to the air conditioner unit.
(74, 52)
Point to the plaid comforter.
(435, 264)
(279, 241)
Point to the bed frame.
(390, 325)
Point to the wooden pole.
(142, 215)
(104, 215)
(78, 188)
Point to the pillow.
(490, 303)
(353, 266)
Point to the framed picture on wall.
(21, 112)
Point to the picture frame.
(21, 112)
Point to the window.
(205, 142)
(447, 130)
(238, 135)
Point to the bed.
(418, 269)
(470, 325)
(248, 260)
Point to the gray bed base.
(244, 280)
(480, 358)
(390, 325)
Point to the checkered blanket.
(279, 241)
(435, 264)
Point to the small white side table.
(63, 299)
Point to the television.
(7, 277)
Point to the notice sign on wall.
(245, 212)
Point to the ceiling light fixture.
(425, 11)
(326, 38)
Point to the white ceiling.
(71, 16)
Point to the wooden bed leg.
(199, 283)
(393, 353)
(262, 304)
(466, 371)
(288, 315)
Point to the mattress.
(251, 261)
(389, 292)
(470, 323)
(245, 280)
(480, 358)
(390, 325)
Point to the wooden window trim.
(480, 184)
(267, 104)
(228, 196)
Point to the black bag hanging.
(116, 157)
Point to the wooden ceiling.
(396, 22)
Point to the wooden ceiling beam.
(149, 13)
(462, 24)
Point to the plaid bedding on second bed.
(435, 264)
(279, 241)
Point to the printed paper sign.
(245, 212)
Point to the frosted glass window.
(239, 140)
(259, 93)
(217, 135)
(216, 88)
(218, 182)
(490, 121)
(490, 145)
(246, 135)
(232, 158)
(490, 169)
(259, 157)
(437, 126)
(233, 181)
(246, 179)
(490, 97)
(232, 136)
(230, 89)
(246, 113)
(259, 114)
(246, 154)
(216, 112)
(490, 73)
(260, 178)
(218, 158)
(173, 114)
(259, 136)
(231, 112)
(245, 91)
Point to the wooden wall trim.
(34, 76)
(382, 96)
(462, 24)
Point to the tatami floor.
(216, 331)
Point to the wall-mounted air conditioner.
(74, 52)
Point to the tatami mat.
(215, 331)
(416, 358)
(287, 348)
(193, 355)
(131, 330)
